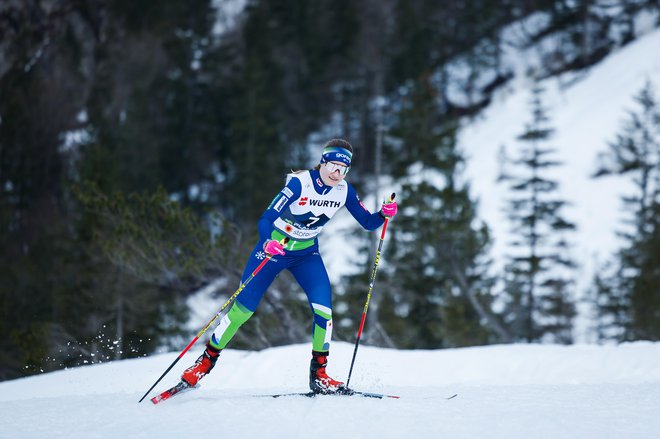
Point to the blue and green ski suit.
(299, 211)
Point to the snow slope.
(586, 111)
(517, 391)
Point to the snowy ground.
(518, 391)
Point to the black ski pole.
(371, 287)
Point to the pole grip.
(382, 232)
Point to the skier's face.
(332, 173)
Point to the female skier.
(299, 211)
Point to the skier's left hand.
(389, 209)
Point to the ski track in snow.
(515, 391)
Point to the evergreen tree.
(135, 95)
(538, 277)
(436, 293)
(626, 296)
(43, 83)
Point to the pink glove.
(273, 247)
(389, 209)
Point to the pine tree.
(436, 291)
(538, 277)
(626, 296)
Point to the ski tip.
(182, 386)
(162, 397)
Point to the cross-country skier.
(299, 211)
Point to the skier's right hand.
(273, 247)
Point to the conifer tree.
(538, 276)
(626, 295)
(436, 292)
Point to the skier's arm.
(281, 201)
(368, 220)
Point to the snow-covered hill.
(518, 391)
(586, 110)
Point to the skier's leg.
(239, 313)
(313, 278)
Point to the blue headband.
(336, 154)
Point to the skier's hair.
(341, 143)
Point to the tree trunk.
(485, 315)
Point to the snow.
(504, 391)
(586, 113)
(227, 14)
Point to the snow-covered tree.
(538, 277)
(438, 293)
(627, 295)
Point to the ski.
(179, 388)
(284, 395)
(344, 393)
(351, 393)
(374, 395)
(183, 386)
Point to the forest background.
(140, 141)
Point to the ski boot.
(319, 381)
(202, 366)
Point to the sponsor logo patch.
(281, 203)
(303, 201)
(287, 192)
(324, 203)
(302, 233)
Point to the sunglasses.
(332, 167)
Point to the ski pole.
(215, 317)
(371, 287)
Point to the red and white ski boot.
(319, 381)
(202, 366)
